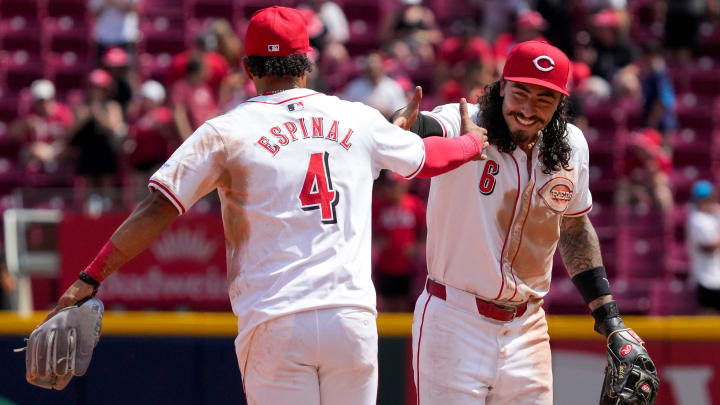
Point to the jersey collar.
(283, 96)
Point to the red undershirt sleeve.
(445, 154)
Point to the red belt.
(485, 308)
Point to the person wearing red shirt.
(399, 226)
(193, 99)
(44, 129)
(216, 66)
(529, 26)
(152, 133)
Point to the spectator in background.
(98, 127)
(116, 25)
(216, 67)
(414, 25)
(610, 42)
(44, 130)
(333, 17)
(228, 43)
(646, 170)
(7, 285)
(497, 15)
(152, 136)
(117, 62)
(193, 99)
(703, 244)
(456, 51)
(399, 229)
(375, 88)
(529, 26)
(682, 22)
(657, 88)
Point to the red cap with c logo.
(537, 62)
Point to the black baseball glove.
(630, 375)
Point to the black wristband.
(592, 284)
(607, 318)
(86, 278)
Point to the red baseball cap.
(115, 57)
(100, 78)
(537, 62)
(277, 31)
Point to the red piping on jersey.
(284, 101)
(417, 360)
(433, 116)
(170, 194)
(422, 164)
(512, 217)
(581, 212)
(522, 229)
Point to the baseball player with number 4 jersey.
(294, 170)
(479, 331)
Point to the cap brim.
(539, 82)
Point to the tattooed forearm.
(579, 245)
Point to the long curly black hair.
(554, 148)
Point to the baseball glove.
(62, 346)
(630, 375)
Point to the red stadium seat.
(203, 9)
(672, 297)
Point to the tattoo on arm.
(579, 245)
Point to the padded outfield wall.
(188, 358)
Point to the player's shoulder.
(576, 138)
(451, 111)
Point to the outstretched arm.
(151, 217)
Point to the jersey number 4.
(317, 191)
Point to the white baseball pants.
(323, 357)
(460, 357)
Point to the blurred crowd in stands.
(95, 95)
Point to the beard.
(521, 137)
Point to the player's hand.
(406, 117)
(467, 126)
(76, 292)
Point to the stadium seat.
(672, 297)
(77, 10)
(632, 296)
(204, 9)
(20, 70)
(364, 18)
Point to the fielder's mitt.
(62, 346)
(630, 375)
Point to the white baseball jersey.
(294, 172)
(493, 225)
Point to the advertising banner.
(184, 268)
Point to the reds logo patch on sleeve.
(557, 193)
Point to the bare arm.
(151, 217)
(580, 250)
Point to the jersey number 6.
(487, 181)
(317, 191)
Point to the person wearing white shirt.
(703, 239)
(116, 25)
(376, 89)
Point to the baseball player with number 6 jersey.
(294, 171)
(479, 331)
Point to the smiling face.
(527, 109)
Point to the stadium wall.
(188, 358)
